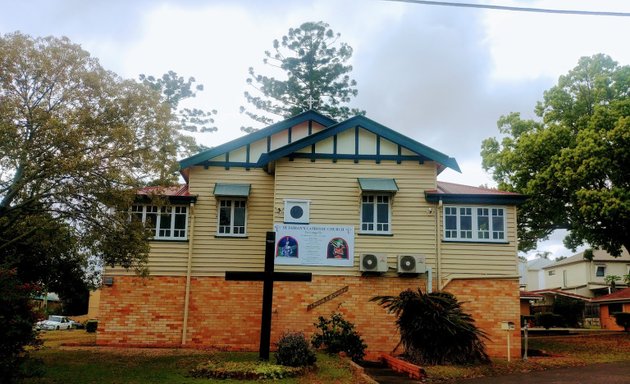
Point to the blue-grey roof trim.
(370, 125)
(455, 198)
(201, 157)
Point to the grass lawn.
(564, 351)
(85, 365)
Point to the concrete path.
(611, 373)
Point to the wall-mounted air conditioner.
(297, 211)
(411, 264)
(373, 262)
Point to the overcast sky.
(441, 75)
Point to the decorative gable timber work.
(313, 136)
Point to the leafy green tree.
(75, 142)
(174, 89)
(317, 76)
(572, 161)
(434, 329)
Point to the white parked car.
(55, 322)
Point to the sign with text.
(331, 245)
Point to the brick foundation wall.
(226, 315)
(491, 302)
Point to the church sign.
(328, 245)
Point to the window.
(600, 271)
(376, 213)
(474, 224)
(232, 217)
(551, 273)
(166, 223)
(614, 308)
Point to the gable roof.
(458, 193)
(621, 295)
(527, 295)
(371, 126)
(538, 264)
(255, 136)
(599, 255)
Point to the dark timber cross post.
(268, 276)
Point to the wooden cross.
(268, 276)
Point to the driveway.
(610, 373)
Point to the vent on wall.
(411, 264)
(373, 262)
(297, 211)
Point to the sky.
(440, 75)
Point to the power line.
(516, 9)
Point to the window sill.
(386, 234)
(476, 242)
(170, 240)
(227, 236)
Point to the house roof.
(598, 256)
(255, 136)
(458, 193)
(562, 293)
(621, 295)
(538, 264)
(175, 193)
(527, 295)
(370, 125)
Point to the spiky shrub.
(294, 351)
(338, 335)
(434, 329)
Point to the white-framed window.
(376, 213)
(232, 217)
(600, 271)
(486, 224)
(166, 222)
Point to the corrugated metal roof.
(598, 256)
(621, 295)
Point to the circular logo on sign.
(296, 212)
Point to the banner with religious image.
(298, 244)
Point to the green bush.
(434, 329)
(91, 326)
(570, 310)
(548, 320)
(294, 351)
(17, 320)
(244, 370)
(623, 320)
(338, 335)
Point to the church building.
(354, 203)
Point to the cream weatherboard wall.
(464, 259)
(335, 198)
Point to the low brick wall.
(226, 314)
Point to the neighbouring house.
(527, 299)
(618, 301)
(355, 203)
(584, 277)
(48, 303)
(535, 275)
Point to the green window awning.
(232, 190)
(378, 185)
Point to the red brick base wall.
(222, 314)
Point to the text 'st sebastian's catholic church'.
(355, 203)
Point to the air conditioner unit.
(297, 211)
(411, 264)
(373, 262)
